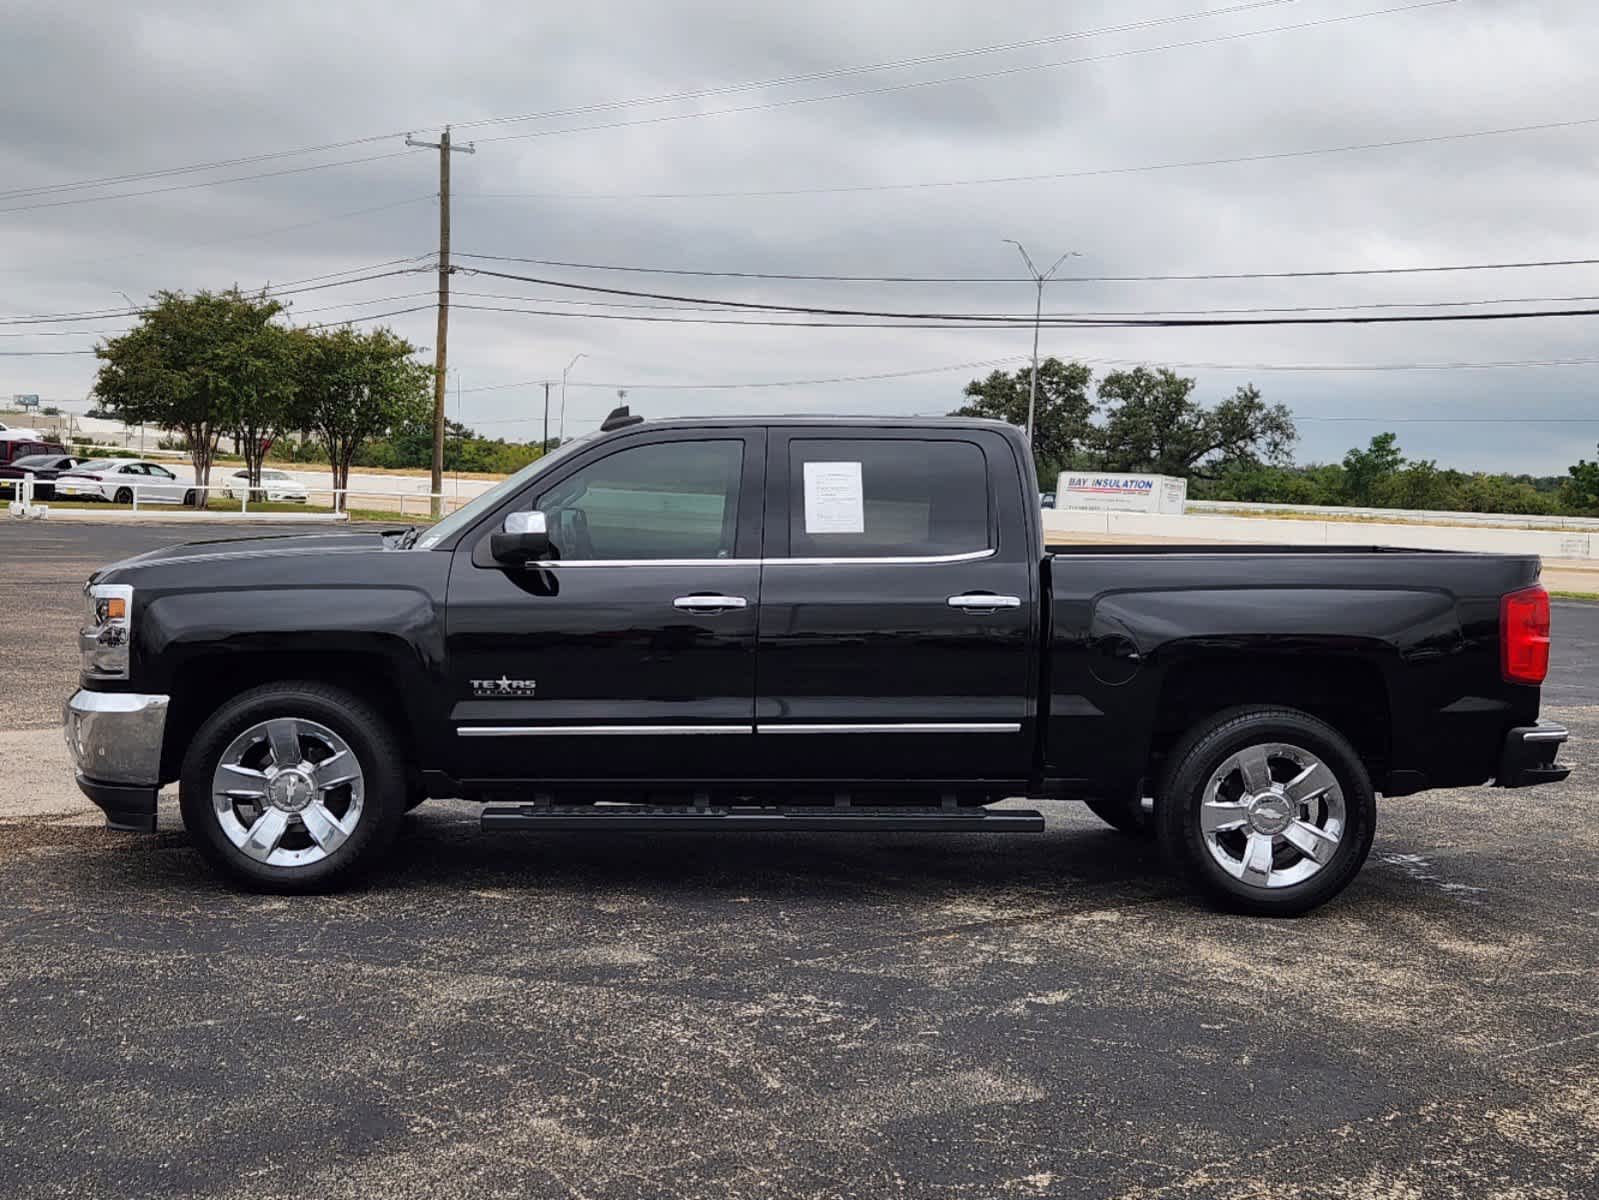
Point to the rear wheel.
(124, 496)
(1269, 810)
(188, 498)
(293, 787)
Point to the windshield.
(470, 512)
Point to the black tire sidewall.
(1182, 793)
(369, 738)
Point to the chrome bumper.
(115, 737)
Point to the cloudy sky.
(607, 167)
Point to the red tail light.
(1524, 635)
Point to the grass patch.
(1592, 596)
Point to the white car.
(120, 479)
(275, 485)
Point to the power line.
(216, 164)
(204, 183)
(768, 383)
(893, 65)
(1013, 321)
(293, 288)
(1202, 276)
(1459, 365)
(1273, 156)
(1094, 313)
(975, 75)
(958, 324)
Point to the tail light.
(1524, 635)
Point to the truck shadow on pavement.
(441, 850)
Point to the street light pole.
(1039, 281)
(560, 434)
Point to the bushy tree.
(200, 365)
(354, 387)
(1365, 470)
(1062, 416)
(1580, 492)
(1153, 423)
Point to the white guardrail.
(1419, 516)
(1200, 528)
(148, 499)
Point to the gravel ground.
(784, 1015)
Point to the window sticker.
(834, 501)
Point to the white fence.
(1204, 528)
(1419, 516)
(148, 499)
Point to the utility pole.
(441, 343)
(1038, 320)
(545, 446)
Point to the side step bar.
(625, 818)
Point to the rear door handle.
(709, 604)
(984, 601)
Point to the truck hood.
(233, 549)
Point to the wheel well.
(1348, 694)
(202, 685)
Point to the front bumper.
(115, 742)
(1528, 756)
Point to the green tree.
(354, 387)
(265, 362)
(1580, 493)
(1153, 423)
(1365, 470)
(1062, 421)
(193, 364)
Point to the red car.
(43, 467)
(15, 444)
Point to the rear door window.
(887, 498)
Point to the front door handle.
(983, 601)
(709, 604)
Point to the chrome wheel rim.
(1272, 815)
(288, 792)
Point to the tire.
(356, 819)
(124, 496)
(188, 498)
(1126, 814)
(1258, 831)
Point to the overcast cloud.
(101, 89)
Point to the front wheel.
(293, 787)
(1269, 810)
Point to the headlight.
(104, 641)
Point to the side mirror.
(525, 539)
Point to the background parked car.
(43, 467)
(275, 485)
(1046, 499)
(118, 479)
(23, 443)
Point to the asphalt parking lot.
(783, 1015)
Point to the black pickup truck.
(808, 624)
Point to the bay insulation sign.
(1111, 492)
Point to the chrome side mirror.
(525, 538)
